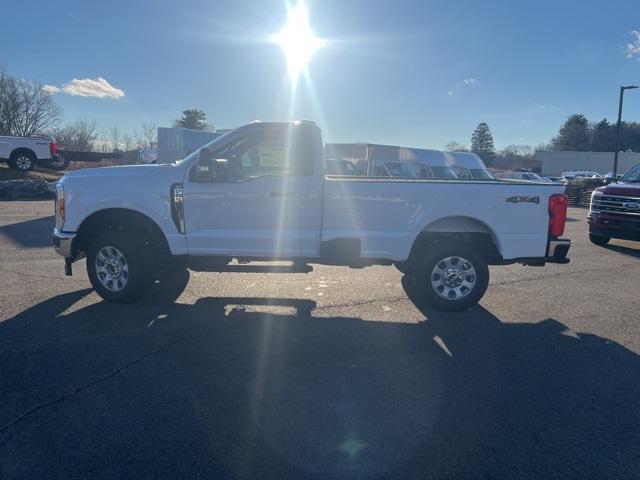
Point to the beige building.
(554, 162)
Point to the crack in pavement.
(544, 277)
(49, 277)
(81, 389)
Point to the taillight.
(53, 148)
(558, 203)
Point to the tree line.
(577, 133)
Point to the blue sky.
(391, 72)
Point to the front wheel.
(451, 277)
(119, 267)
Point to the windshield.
(632, 175)
(211, 145)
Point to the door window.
(268, 151)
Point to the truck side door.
(252, 205)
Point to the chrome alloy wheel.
(112, 269)
(453, 278)
(23, 162)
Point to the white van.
(468, 165)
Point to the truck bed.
(388, 214)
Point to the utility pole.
(615, 154)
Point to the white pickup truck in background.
(260, 192)
(24, 153)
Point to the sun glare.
(297, 40)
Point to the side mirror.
(203, 172)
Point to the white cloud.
(632, 48)
(50, 89)
(450, 94)
(469, 81)
(87, 87)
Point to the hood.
(622, 189)
(124, 170)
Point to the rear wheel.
(22, 160)
(451, 277)
(599, 239)
(119, 267)
(58, 162)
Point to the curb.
(16, 189)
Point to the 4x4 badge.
(523, 199)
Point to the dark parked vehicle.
(615, 210)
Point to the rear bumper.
(557, 250)
(625, 227)
(63, 243)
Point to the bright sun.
(297, 40)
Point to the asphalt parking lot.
(329, 374)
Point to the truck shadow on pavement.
(630, 252)
(34, 233)
(268, 388)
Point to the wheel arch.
(17, 151)
(460, 228)
(119, 219)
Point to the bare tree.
(102, 143)
(38, 112)
(9, 103)
(25, 108)
(149, 134)
(454, 146)
(127, 140)
(78, 135)
(115, 139)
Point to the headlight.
(59, 206)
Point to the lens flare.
(297, 40)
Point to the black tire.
(404, 267)
(599, 239)
(444, 255)
(137, 260)
(59, 162)
(22, 160)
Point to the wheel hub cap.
(112, 268)
(23, 162)
(453, 278)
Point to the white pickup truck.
(260, 192)
(23, 153)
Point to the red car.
(615, 210)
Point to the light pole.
(615, 154)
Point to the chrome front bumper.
(62, 242)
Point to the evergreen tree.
(482, 143)
(192, 118)
(603, 137)
(574, 134)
